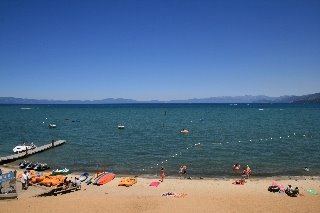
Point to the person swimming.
(236, 167)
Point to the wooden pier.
(14, 157)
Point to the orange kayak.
(105, 178)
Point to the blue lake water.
(274, 139)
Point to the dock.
(14, 157)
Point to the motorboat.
(31, 166)
(23, 164)
(52, 125)
(41, 167)
(184, 131)
(120, 126)
(24, 148)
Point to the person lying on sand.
(174, 194)
(240, 182)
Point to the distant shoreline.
(309, 98)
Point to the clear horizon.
(158, 50)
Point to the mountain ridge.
(310, 98)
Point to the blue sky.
(160, 49)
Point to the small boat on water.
(64, 171)
(184, 131)
(23, 148)
(23, 164)
(41, 167)
(120, 126)
(31, 166)
(52, 125)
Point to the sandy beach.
(202, 195)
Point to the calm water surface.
(274, 139)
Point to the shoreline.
(227, 177)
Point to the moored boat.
(23, 148)
(64, 171)
(184, 131)
(120, 126)
(41, 167)
(52, 126)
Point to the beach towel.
(154, 183)
(281, 187)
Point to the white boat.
(184, 131)
(23, 148)
(120, 126)
(60, 171)
(52, 126)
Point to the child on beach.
(162, 174)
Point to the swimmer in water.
(236, 167)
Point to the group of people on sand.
(246, 172)
(70, 184)
(182, 172)
(292, 192)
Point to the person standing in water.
(162, 174)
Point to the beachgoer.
(236, 167)
(77, 182)
(240, 182)
(52, 143)
(65, 183)
(306, 169)
(289, 189)
(23, 180)
(296, 191)
(162, 174)
(181, 170)
(28, 179)
(184, 171)
(70, 184)
(248, 171)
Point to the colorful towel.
(281, 187)
(155, 183)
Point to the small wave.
(261, 109)
(24, 108)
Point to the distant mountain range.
(311, 98)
